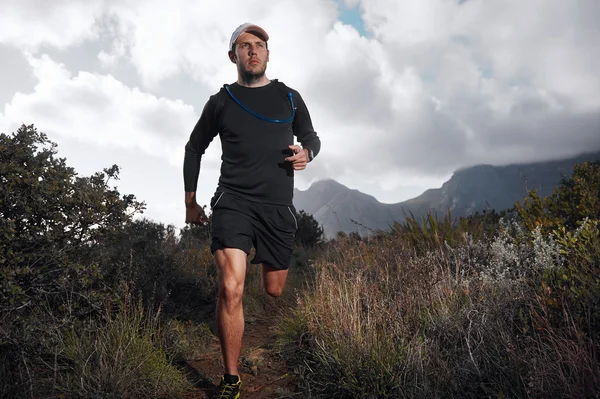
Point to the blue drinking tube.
(262, 117)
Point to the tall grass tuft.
(122, 357)
(429, 231)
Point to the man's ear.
(268, 53)
(232, 56)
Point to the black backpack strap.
(221, 100)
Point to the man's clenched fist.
(194, 213)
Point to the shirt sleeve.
(204, 132)
(303, 128)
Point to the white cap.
(250, 28)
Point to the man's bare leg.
(273, 280)
(231, 265)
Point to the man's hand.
(300, 159)
(194, 213)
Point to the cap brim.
(257, 31)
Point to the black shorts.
(238, 223)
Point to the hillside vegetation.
(493, 306)
(96, 301)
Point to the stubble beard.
(249, 77)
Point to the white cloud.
(439, 85)
(98, 121)
(100, 110)
(58, 23)
(351, 3)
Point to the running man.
(256, 119)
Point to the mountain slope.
(495, 187)
(335, 206)
(468, 190)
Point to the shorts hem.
(259, 261)
(216, 245)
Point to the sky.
(401, 92)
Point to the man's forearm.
(191, 169)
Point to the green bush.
(576, 199)
(67, 245)
(572, 216)
(53, 225)
(309, 233)
(575, 287)
(165, 268)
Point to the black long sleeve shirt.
(254, 150)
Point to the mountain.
(335, 206)
(339, 208)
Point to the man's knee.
(231, 291)
(274, 291)
(232, 270)
(274, 280)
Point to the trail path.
(263, 372)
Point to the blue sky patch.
(351, 16)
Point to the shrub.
(67, 243)
(309, 233)
(52, 226)
(571, 215)
(576, 199)
(175, 271)
(573, 290)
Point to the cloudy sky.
(401, 92)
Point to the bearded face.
(251, 56)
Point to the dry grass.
(387, 319)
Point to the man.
(256, 119)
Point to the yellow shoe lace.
(228, 389)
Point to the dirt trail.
(263, 372)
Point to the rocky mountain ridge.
(472, 189)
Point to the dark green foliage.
(163, 267)
(195, 235)
(142, 253)
(309, 233)
(54, 228)
(577, 283)
(52, 223)
(572, 215)
(577, 198)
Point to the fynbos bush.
(424, 312)
(67, 245)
